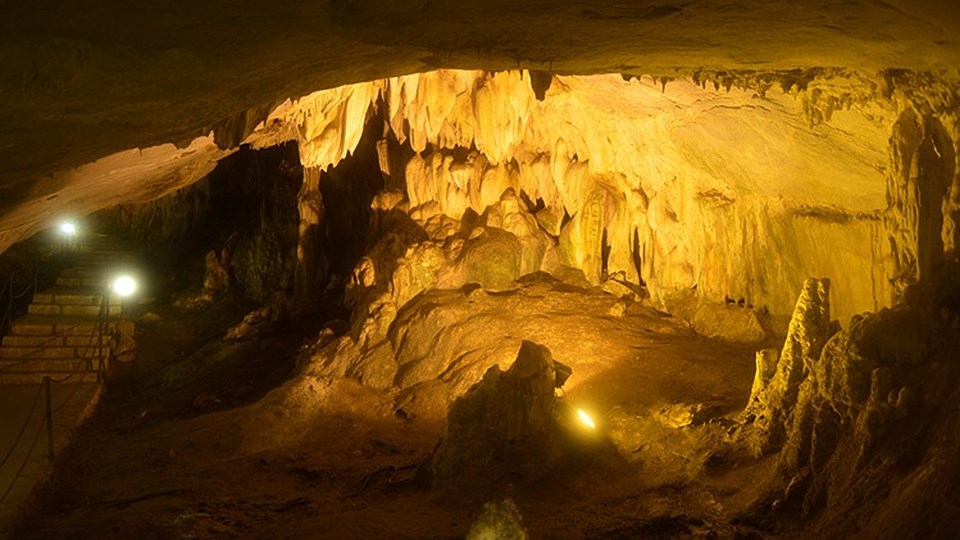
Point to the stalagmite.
(773, 399)
(360, 232)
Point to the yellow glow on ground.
(585, 418)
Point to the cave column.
(312, 265)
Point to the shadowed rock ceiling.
(81, 81)
(785, 108)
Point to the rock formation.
(454, 179)
(857, 410)
(504, 425)
(777, 384)
(817, 155)
(499, 520)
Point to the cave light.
(68, 229)
(585, 419)
(124, 286)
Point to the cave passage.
(386, 310)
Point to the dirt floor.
(205, 439)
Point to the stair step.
(49, 366)
(83, 272)
(54, 309)
(81, 282)
(35, 341)
(88, 296)
(26, 355)
(38, 353)
(41, 325)
(64, 334)
(37, 378)
(101, 255)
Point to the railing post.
(46, 385)
(9, 317)
(36, 273)
(102, 325)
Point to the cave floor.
(329, 458)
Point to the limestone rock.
(678, 415)
(217, 280)
(123, 350)
(504, 424)
(550, 220)
(499, 520)
(123, 347)
(150, 318)
(511, 215)
(728, 322)
(494, 259)
(617, 285)
(766, 367)
(771, 408)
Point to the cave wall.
(247, 203)
(924, 194)
(679, 187)
(334, 219)
(735, 185)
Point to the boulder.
(504, 425)
(499, 520)
(727, 322)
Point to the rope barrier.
(23, 428)
(23, 293)
(51, 412)
(8, 294)
(65, 402)
(33, 355)
(98, 329)
(23, 465)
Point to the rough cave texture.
(244, 213)
(457, 179)
(504, 425)
(775, 391)
(727, 185)
(851, 410)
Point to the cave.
(433, 269)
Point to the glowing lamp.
(68, 228)
(124, 286)
(585, 419)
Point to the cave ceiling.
(89, 84)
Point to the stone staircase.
(67, 327)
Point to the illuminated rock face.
(741, 193)
(850, 410)
(503, 423)
(737, 186)
(774, 395)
